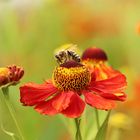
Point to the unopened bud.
(10, 75)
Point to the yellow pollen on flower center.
(74, 78)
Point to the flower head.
(70, 80)
(10, 75)
(95, 59)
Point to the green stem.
(11, 110)
(78, 135)
(97, 118)
(101, 133)
(8, 133)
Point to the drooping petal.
(120, 96)
(32, 93)
(112, 84)
(46, 108)
(76, 107)
(103, 71)
(108, 70)
(111, 88)
(62, 101)
(56, 104)
(98, 102)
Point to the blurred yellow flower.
(121, 121)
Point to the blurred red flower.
(70, 81)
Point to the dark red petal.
(111, 88)
(32, 93)
(46, 108)
(62, 100)
(76, 107)
(98, 101)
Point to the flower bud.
(16, 73)
(4, 72)
(10, 75)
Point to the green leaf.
(101, 134)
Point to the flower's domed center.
(94, 54)
(71, 76)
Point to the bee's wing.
(64, 47)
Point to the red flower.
(63, 93)
(95, 59)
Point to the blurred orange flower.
(82, 25)
(138, 28)
(134, 104)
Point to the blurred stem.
(97, 118)
(68, 122)
(78, 135)
(11, 110)
(8, 133)
(101, 133)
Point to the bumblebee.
(66, 55)
(73, 56)
(61, 57)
